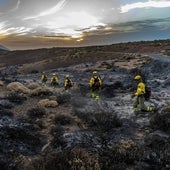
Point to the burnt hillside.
(43, 59)
(47, 128)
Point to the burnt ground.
(80, 132)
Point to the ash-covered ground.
(44, 128)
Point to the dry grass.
(127, 151)
(33, 86)
(1, 83)
(42, 91)
(47, 103)
(18, 87)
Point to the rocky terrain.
(45, 128)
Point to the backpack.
(54, 80)
(45, 78)
(148, 93)
(69, 84)
(96, 82)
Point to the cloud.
(3, 28)
(72, 24)
(130, 27)
(16, 7)
(50, 11)
(18, 30)
(148, 4)
(8, 7)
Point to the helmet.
(43, 72)
(54, 74)
(94, 72)
(137, 77)
(67, 76)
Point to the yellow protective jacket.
(95, 81)
(54, 79)
(140, 89)
(43, 77)
(68, 82)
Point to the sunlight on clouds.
(52, 37)
(3, 31)
(73, 24)
(6, 30)
(77, 20)
(79, 40)
(149, 4)
(19, 30)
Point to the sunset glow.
(84, 22)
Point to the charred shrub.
(161, 120)
(123, 153)
(127, 151)
(52, 161)
(157, 159)
(20, 139)
(157, 150)
(106, 65)
(83, 89)
(63, 98)
(104, 121)
(36, 112)
(57, 133)
(83, 159)
(118, 85)
(156, 140)
(108, 91)
(41, 91)
(16, 98)
(6, 104)
(57, 160)
(4, 112)
(165, 159)
(3, 164)
(107, 162)
(63, 120)
(34, 71)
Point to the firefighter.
(95, 85)
(54, 80)
(43, 78)
(68, 83)
(139, 94)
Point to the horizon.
(37, 48)
(41, 24)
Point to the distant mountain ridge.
(4, 48)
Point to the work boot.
(93, 95)
(150, 108)
(97, 97)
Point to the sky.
(64, 23)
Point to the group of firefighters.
(95, 84)
(54, 82)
